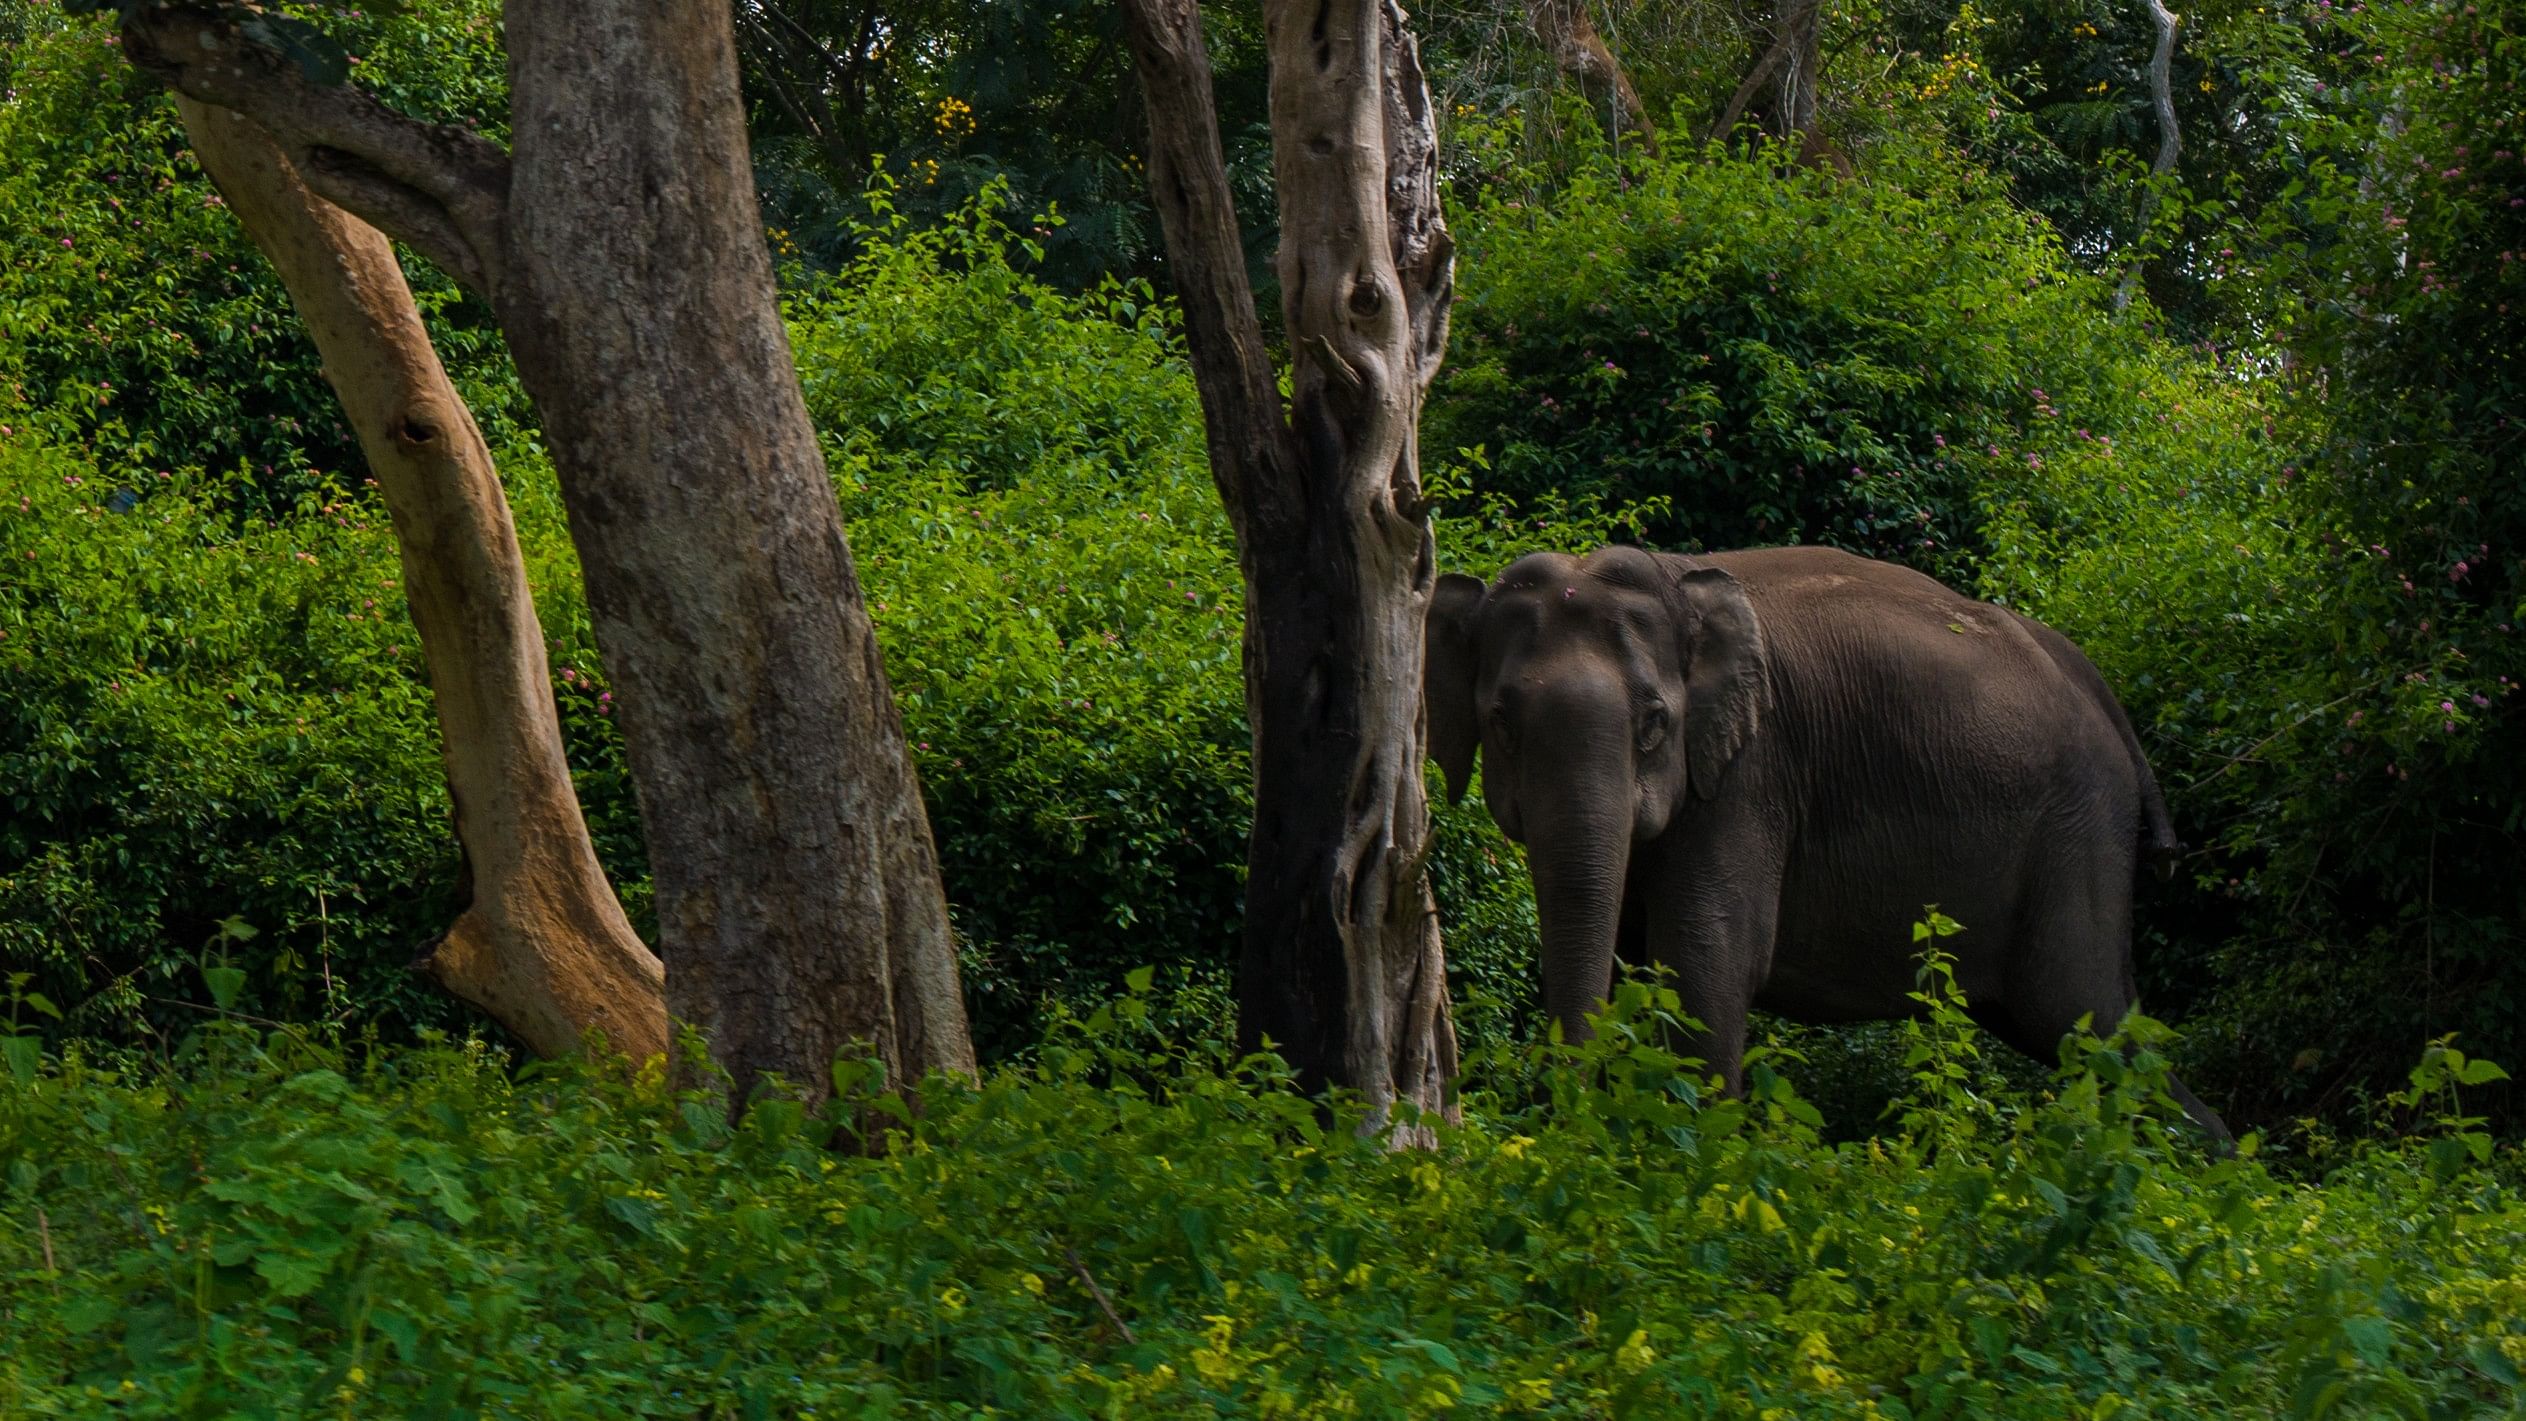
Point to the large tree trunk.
(798, 896)
(798, 890)
(1569, 33)
(1342, 969)
(543, 947)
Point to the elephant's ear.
(1447, 680)
(1727, 681)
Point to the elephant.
(1755, 769)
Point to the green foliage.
(268, 1227)
(1034, 99)
(209, 721)
(142, 325)
(1786, 358)
(1053, 583)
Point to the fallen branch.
(1106, 1304)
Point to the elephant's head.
(1604, 692)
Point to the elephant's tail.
(2160, 849)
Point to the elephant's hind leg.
(2073, 959)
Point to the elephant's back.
(1921, 698)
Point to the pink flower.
(2447, 706)
(2481, 699)
(66, 243)
(2457, 573)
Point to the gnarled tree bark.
(799, 906)
(543, 947)
(1342, 967)
(1569, 34)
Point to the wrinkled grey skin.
(1755, 768)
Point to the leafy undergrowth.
(270, 1227)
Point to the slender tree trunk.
(798, 891)
(543, 947)
(1569, 33)
(2170, 139)
(1342, 968)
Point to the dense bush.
(141, 323)
(205, 722)
(1785, 357)
(269, 1228)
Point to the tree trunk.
(2170, 139)
(543, 947)
(1342, 969)
(798, 892)
(1568, 32)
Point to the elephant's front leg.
(1711, 921)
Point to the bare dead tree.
(1342, 967)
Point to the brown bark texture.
(798, 895)
(1568, 32)
(1343, 969)
(798, 890)
(544, 947)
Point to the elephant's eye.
(1652, 726)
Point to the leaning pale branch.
(438, 188)
(2170, 139)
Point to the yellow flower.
(1635, 1354)
(1514, 1147)
(1031, 1283)
(952, 1299)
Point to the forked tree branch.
(1793, 20)
(439, 189)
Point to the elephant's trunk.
(1579, 860)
